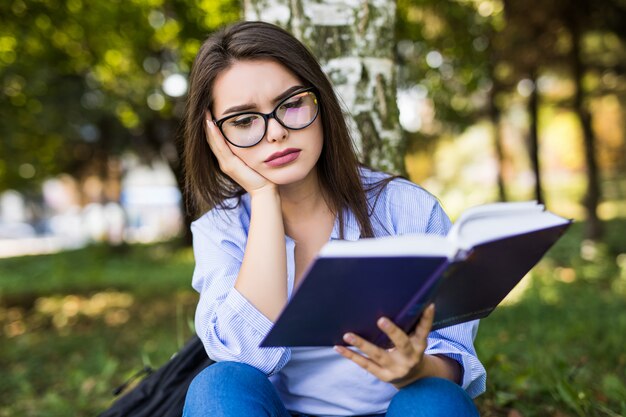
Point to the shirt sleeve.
(457, 342)
(422, 213)
(230, 327)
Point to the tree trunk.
(533, 137)
(355, 44)
(494, 115)
(593, 228)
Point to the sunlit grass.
(75, 325)
(146, 270)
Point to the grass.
(77, 324)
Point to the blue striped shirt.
(315, 380)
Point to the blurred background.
(498, 101)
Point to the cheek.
(245, 154)
(319, 133)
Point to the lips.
(283, 157)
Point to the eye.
(294, 102)
(242, 121)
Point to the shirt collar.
(351, 229)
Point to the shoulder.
(400, 206)
(390, 190)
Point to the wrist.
(269, 190)
(265, 204)
(418, 372)
(439, 366)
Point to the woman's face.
(259, 86)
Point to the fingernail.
(348, 338)
(384, 323)
(337, 349)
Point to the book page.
(406, 245)
(476, 225)
(499, 220)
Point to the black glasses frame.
(272, 115)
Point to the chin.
(288, 175)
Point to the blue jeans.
(234, 389)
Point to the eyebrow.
(252, 106)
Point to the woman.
(271, 169)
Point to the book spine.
(407, 317)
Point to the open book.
(466, 274)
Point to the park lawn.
(77, 324)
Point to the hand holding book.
(405, 362)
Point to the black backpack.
(162, 393)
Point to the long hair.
(206, 186)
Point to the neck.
(302, 200)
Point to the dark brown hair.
(206, 186)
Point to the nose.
(275, 131)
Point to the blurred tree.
(447, 61)
(581, 19)
(353, 42)
(576, 21)
(443, 51)
(469, 59)
(558, 31)
(85, 81)
(495, 116)
(525, 46)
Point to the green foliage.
(80, 80)
(461, 36)
(77, 324)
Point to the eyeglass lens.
(296, 112)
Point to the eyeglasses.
(247, 129)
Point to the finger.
(377, 354)
(228, 161)
(362, 361)
(400, 339)
(214, 136)
(215, 139)
(426, 322)
(208, 121)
